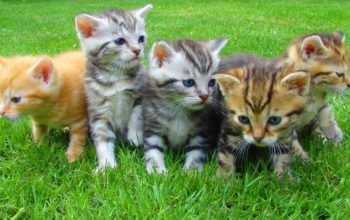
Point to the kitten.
(180, 101)
(114, 43)
(326, 57)
(50, 91)
(263, 106)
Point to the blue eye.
(188, 82)
(274, 120)
(244, 119)
(16, 100)
(211, 83)
(141, 39)
(119, 41)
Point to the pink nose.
(203, 97)
(136, 52)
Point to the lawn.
(36, 182)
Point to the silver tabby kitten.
(180, 100)
(114, 43)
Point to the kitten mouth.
(133, 60)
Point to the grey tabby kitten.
(114, 43)
(180, 101)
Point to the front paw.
(334, 134)
(156, 169)
(193, 166)
(72, 155)
(135, 138)
(102, 166)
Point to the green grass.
(38, 179)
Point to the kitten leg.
(297, 148)
(195, 154)
(226, 160)
(77, 132)
(154, 155)
(104, 139)
(329, 126)
(281, 163)
(135, 126)
(38, 130)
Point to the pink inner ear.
(309, 49)
(46, 72)
(160, 53)
(86, 27)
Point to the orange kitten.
(50, 91)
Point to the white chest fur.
(178, 130)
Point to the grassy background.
(38, 179)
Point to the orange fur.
(52, 95)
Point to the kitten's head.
(326, 57)
(114, 37)
(262, 102)
(182, 71)
(26, 84)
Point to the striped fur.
(256, 95)
(328, 67)
(114, 43)
(177, 116)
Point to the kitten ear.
(216, 45)
(226, 82)
(86, 24)
(297, 82)
(313, 47)
(43, 70)
(161, 52)
(2, 61)
(142, 12)
(340, 35)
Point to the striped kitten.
(114, 43)
(179, 101)
(263, 107)
(48, 90)
(326, 57)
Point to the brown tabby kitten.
(264, 104)
(326, 57)
(50, 91)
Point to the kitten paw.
(134, 138)
(304, 156)
(333, 134)
(157, 169)
(101, 167)
(193, 166)
(72, 156)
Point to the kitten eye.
(244, 119)
(16, 100)
(188, 82)
(119, 41)
(141, 39)
(339, 74)
(211, 83)
(274, 120)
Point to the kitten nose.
(258, 138)
(204, 97)
(136, 52)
